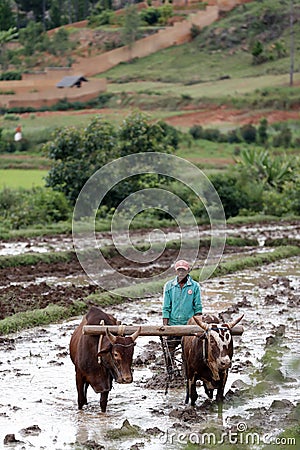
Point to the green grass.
(23, 161)
(211, 89)
(21, 178)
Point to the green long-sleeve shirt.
(180, 304)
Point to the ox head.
(217, 345)
(117, 355)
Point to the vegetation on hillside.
(253, 39)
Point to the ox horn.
(112, 338)
(135, 334)
(235, 322)
(203, 325)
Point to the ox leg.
(81, 389)
(187, 391)
(193, 391)
(103, 400)
(208, 392)
(220, 391)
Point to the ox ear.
(235, 322)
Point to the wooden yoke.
(154, 330)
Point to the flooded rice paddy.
(38, 393)
(45, 244)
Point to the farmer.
(181, 301)
(18, 134)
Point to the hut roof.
(70, 81)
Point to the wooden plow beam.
(153, 330)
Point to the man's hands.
(165, 321)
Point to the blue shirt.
(180, 304)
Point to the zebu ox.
(96, 365)
(207, 357)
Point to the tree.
(5, 37)
(78, 154)
(38, 7)
(257, 52)
(263, 131)
(30, 37)
(7, 19)
(131, 27)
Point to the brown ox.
(207, 357)
(98, 367)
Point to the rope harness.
(110, 364)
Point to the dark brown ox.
(208, 356)
(99, 367)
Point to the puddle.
(38, 381)
(65, 243)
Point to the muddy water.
(38, 388)
(64, 243)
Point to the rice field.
(21, 178)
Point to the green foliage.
(60, 43)
(130, 29)
(263, 131)
(283, 202)
(283, 138)
(10, 75)
(150, 15)
(79, 153)
(21, 208)
(103, 18)
(30, 36)
(166, 12)
(248, 133)
(195, 31)
(258, 165)
(257, 52)
(196, 131)
(7, 17)
(231, 195)
(5, 37)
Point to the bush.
(248, 133)
(150, 15)
(232, 196)
(233, 137)
(195, 31)
(212, 134)
(10, 75)
(196, 131)
(37, 206)
(284, 138)
(104, 18)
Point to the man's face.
(181, 274)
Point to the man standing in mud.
(181, 301)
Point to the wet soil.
(26, 288)
(29, 287)
(38, 401)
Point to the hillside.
(224, 49)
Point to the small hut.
(71, 81)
